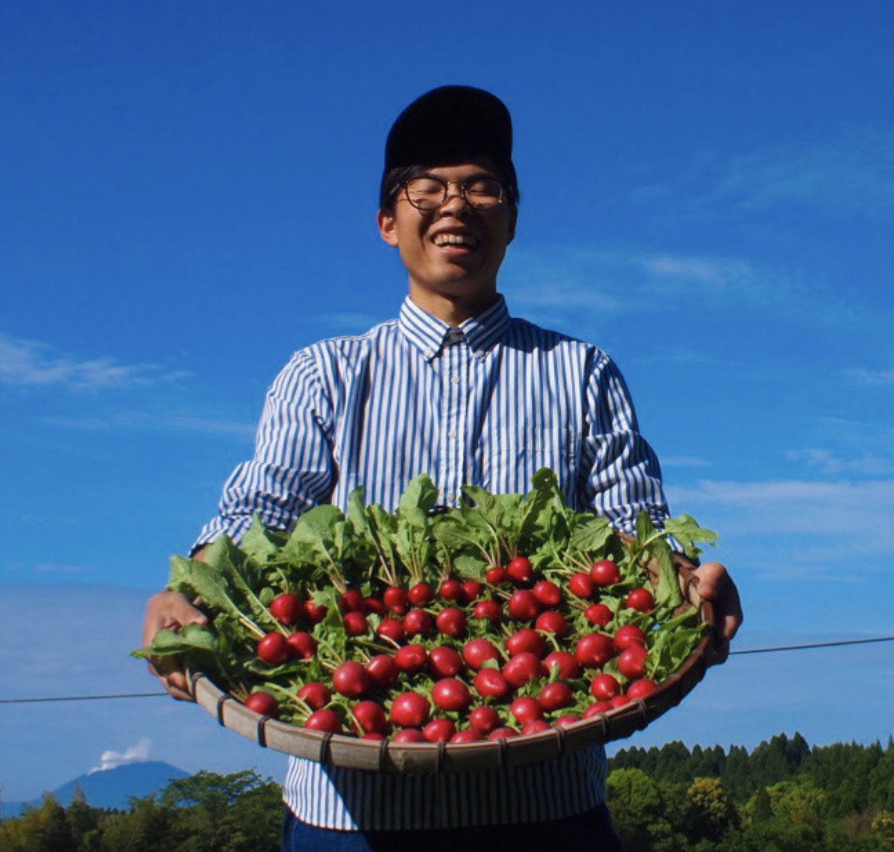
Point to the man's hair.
(447, 126)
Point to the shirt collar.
(429, 334)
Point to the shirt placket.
(455, 393)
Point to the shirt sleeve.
(620, 471)
(293, 468)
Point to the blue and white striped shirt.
(487, 403)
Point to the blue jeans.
(589, 832)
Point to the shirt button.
(452, 435)
(454, 380)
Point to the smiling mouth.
(445, 239)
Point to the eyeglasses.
(429, 192)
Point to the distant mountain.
(110, 788)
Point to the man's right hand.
(173, 611)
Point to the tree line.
(784, 796)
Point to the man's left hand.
(716, 585)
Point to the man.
(458, 389)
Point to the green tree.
(225, 813)
(709, 812)
(639, 811)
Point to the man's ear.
(513, 220)
(387, 227)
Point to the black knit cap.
(449, 125)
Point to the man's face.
(453, 252)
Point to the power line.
(778, 648)
(813, 645)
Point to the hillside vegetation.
(784, 796)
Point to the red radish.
(382, 670)
(393, 629)
(263, 703)
(599, 614)
(286, 608)
(315, 695)
(451, 694)
(472, 589)
(373, 735)
(535, 726)
(489, 610)
(355, 623)
(565, 662)
(581, 585)
(417, 622)
(522, 669)
(451, 622)
(439, 731)
(303, 645)
(395, 599)
(605, 687)
(409, 735)
(324, 720)
(490, 683)
(477, 652)
(373, 605)
(411, 659)
(452, 590)
(555, 695)
(620, 701)
(274, 649)
(484, 719)
(370, 717)
(526, 639)
(605, 572)
(351, 679)
(467, 735)
(523, 606)
(597, 709)
(632, 662)
(567, 719)
(496, 575)
(502, 734)
(628, 636)
(314, 613)
(552, 622)
(641, 600)
(422, 594)
(444, 661)
(410, 710)
(520, 570)
(548, 593)
(641, 688)
(594, 650)
(351, 601)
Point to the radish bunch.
(498, 618)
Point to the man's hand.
(170, 610)
(716, 586)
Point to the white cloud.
(133, 754)
(866, 464)
(684, 461)
(851, 174)
(873, 377)
(31, 363)
(856, 515)
(147, 420)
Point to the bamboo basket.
(428, 758)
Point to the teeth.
(455, 240)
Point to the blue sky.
(189, 194)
